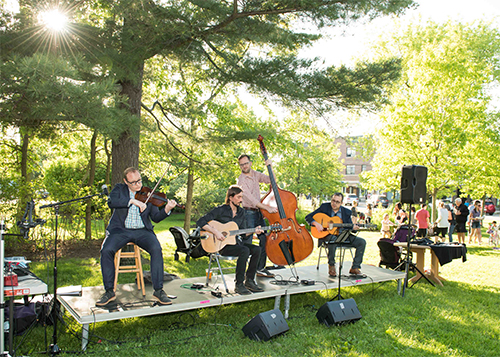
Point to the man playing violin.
(335, 209)
(231, 211)
(131, 222)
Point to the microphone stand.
(54, 348)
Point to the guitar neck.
(350, 225)
(248, 230)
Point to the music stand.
(340, 240)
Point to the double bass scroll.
(293, 243)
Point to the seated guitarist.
(332, 209)
(231, 211)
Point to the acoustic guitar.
(331, 225)
(229, 230)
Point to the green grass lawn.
(462, 318)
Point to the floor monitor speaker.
(338, 312)
(266, 325)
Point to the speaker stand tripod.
(408, 262)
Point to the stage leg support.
(277, 301)
(287, 305)
(85, 336)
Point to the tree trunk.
(88, 208)
(434, 211)
(24, 156)
(125, 151)
(189, 198)
(108, 163)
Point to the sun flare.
(53, 20)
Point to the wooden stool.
(136, 268)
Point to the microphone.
(105, 191)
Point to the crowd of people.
(462, 218)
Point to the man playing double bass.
(335, 209)
(249, 182)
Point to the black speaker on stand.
(413, 190)
(266, 325)
(413, 184)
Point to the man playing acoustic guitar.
(231, 211)
(342, 215)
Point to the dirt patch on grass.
(72, 248)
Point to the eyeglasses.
(338, 202)
(135, 182)
(245, 163)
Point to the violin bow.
(158, 183)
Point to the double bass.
(293, 242)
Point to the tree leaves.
(439, 110)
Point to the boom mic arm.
(27, 221)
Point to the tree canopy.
(439, 114)
(252, 42)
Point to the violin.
(156, 198)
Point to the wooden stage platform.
(130, 303)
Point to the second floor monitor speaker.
(338, 312)
(414, 184)
(266, 325)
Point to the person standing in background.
(399, 214)
(412, 214)
(369, 213)
(442, 223)
(461, 214)
(452, 222)
(422, 217)
(354, 211)
(475, 220)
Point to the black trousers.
(145, 239)
(254, 219)
(243, 251)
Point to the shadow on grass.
(484, 251)
(454, 320)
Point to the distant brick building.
(354, 164)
